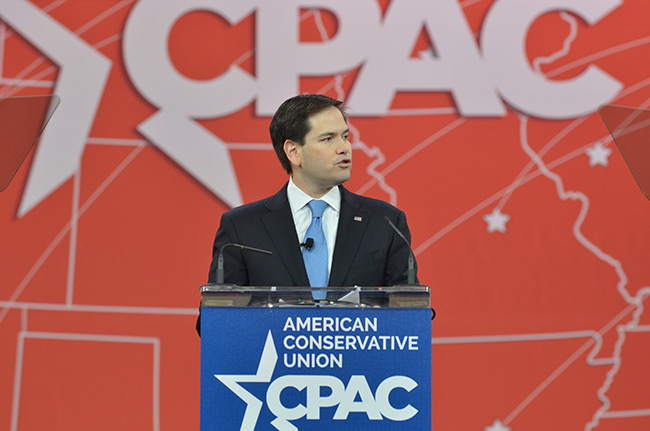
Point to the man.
(310, 137)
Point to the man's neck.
(314, 192)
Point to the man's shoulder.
(372, 204)
(260, 206)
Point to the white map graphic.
(547, 163)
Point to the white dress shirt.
(301, 212)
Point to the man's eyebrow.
(326, 134)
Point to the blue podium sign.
(290, 369)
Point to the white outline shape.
(22, 335)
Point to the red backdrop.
(478, 118)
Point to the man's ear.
(293, 151)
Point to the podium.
(272, 358)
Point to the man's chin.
(343, 179)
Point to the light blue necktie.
(316, 257)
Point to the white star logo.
(81, 78)
(496, 221)
(598, 154)
(264, 372)
(497, 426)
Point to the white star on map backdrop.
(496, 221)
(497, 426)
(598, 154)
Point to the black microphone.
(411, 269)
(411, 265)
(242, 247)
(308, 244)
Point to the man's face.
(325, 160)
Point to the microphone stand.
(220, 272)
(411, 264)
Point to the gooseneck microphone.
(411, 261)
(308, 244)
(411, 268)
(242, 247)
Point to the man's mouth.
(345, 163)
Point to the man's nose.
(344, 146)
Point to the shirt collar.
(298, 199)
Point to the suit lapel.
(353, 221)
(280, 227)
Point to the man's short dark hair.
(291, 121)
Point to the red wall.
(491, 108)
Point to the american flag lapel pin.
(358, 218)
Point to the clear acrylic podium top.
(230, 295)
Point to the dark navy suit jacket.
(367, 251)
